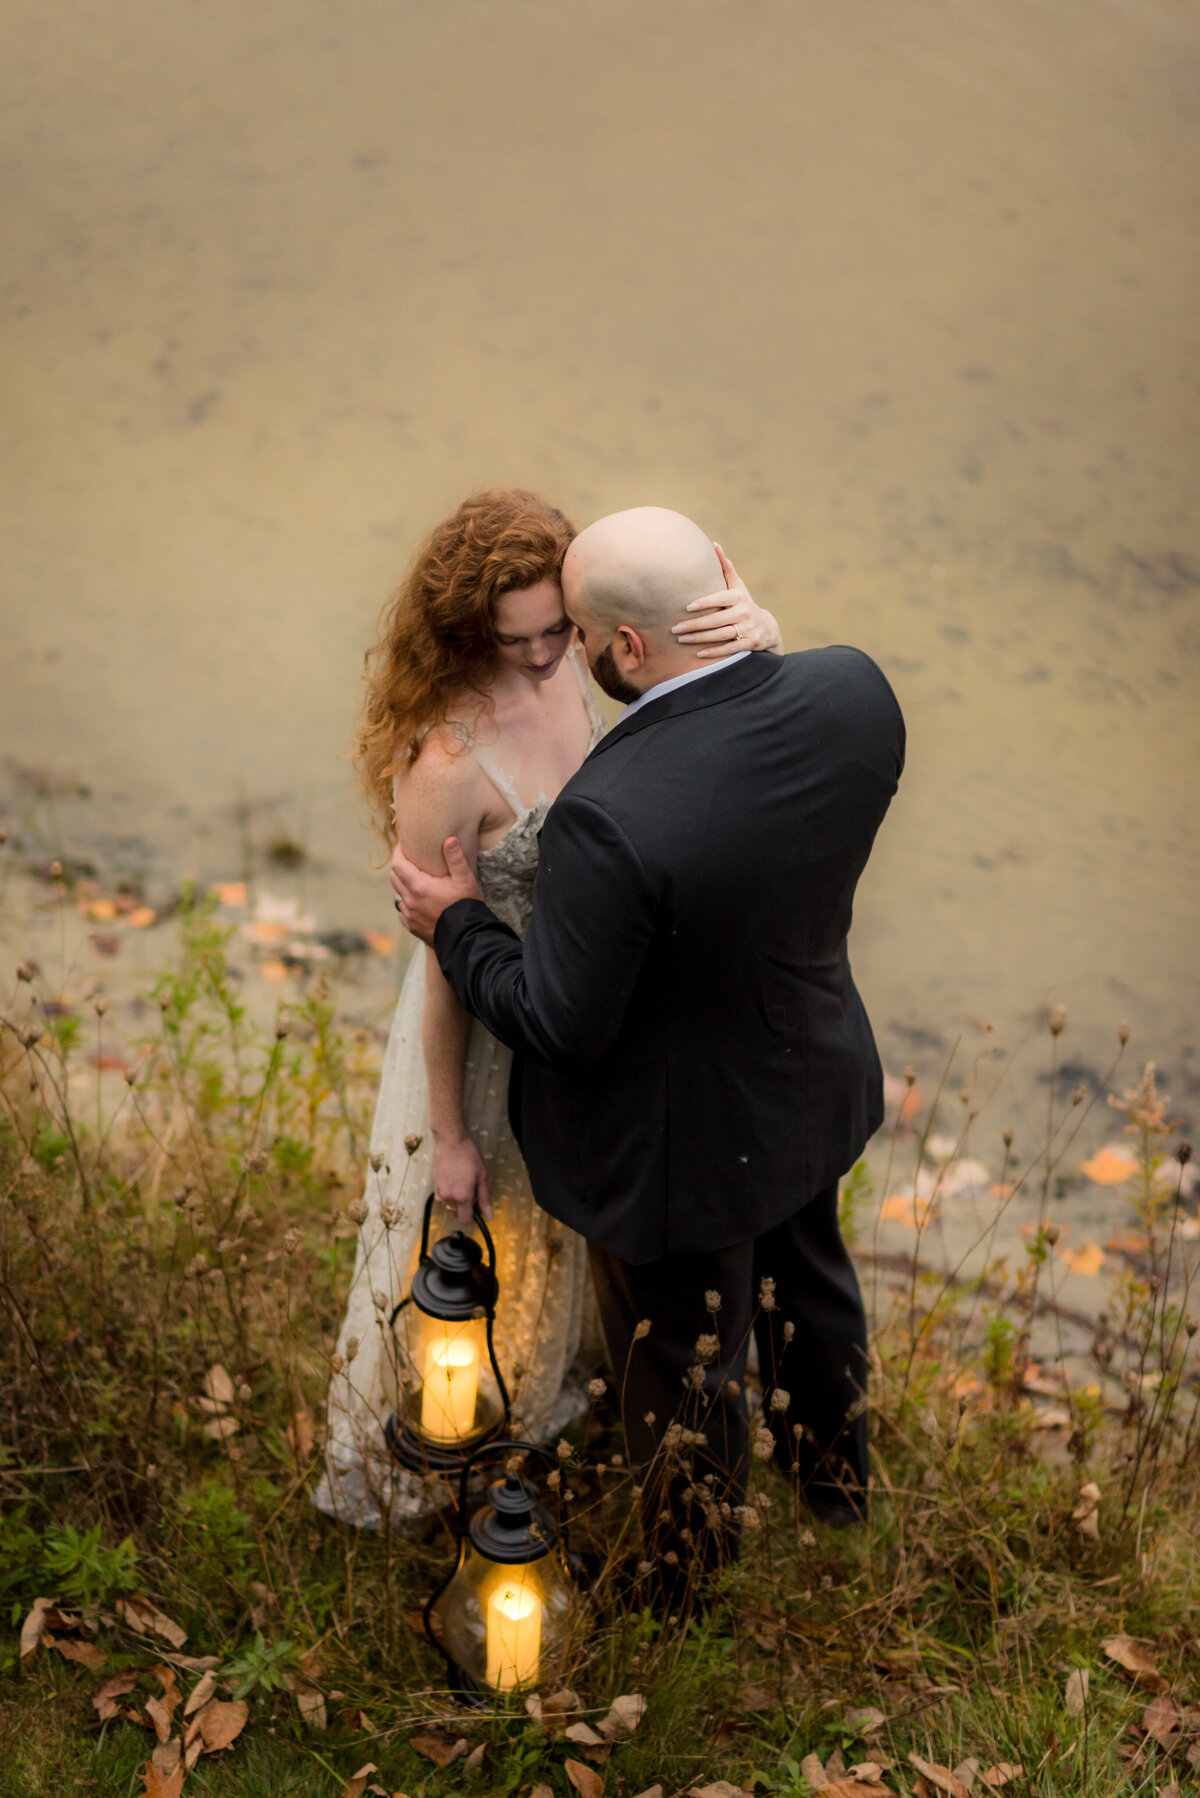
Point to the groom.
(694, 1069)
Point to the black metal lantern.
(500, 1620)
(452, 1396)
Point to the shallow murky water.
(899, 301)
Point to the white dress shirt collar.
(681, 680)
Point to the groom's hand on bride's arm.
(728, 621)
(421, 898)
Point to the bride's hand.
(730, 621)
(460, 1178)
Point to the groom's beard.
(610, 681)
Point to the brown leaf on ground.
(1077, 1692)
(218, 1386)
(1161, 1720)
(585, 1735)
(161, 1785)
(998, 1776)
(1137, 1659)
(356, 1785)
(300, 1436)
(104, 1700)
(1171, 1791)
(218, 1724)
(200, 1693)
(812, 1769)
(720, 1788)
(650, 1792)
(193, 1663)
(1086, 1513)
(437, 1747)
(755, 1698)
(542, 1792)
(86, 1653)
(624, 1715)
(34, 1626)
(865, 1720)
(938, 1778)
(311, 1705)
(586, 1780)
(855, 1788)
(967, 1772)
(148, 1620)
(160, 1716)
(835, 1766)
(167, 1756)
(219, 1428)
(477, 1756)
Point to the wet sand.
(898, 301)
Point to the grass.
(203, 1222)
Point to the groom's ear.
(632, 647)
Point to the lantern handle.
(507, 1446)
(479, 1219)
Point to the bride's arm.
(444, 785)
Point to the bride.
(477, 713)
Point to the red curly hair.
(437, 635)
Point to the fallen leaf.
(356, 1785)
(1110, 1167)
(300, 1436)
(34, 1626)
(1136, 1659)
(562, 1701)
(200, 1694)
(160, 1716)
(147, 1619)
(812, 1769)
(865, 1720)
(584, 1734)
(1077, 1692)
(1087, 1260)
(116, 1686)
(939, 1777)
(966, 1771)
(905, 1208)
(219, 1723)
(86, 1653)
(141, 917)
(1171, 1791)
(720, 1788)
(218, 1385)
(851, 1787)
(380, 941)
(437, 1748)
(650, 1792)
(477, 1755)
(167, 1756)
(161, 1785)
(999, 1775)
(311, 1705)
(100, 911)
(545, 1792)
(231, 892)
(586, 1781)
(1085, 1515)
(1161, 1720)
(193, 1663)
(219, 1428)
(624, 1715)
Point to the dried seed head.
(413, 1143)
(1057, 1020)
(351, 1347)
(56, 869)
(376, 1162)
(712, 1300)
(1183, 1153)
(27, 970)
(99, 1005)
(564, 1450)
(1122, 1033)
(389, 1211)
(766, 1293)
(291, 1242)
(1006, 1137)
(763, 1443)
(596, 1390)
(1052, 1234)
(244, 1394)
(706, 1348)
(732, 1388)
(650, 1420)
(337, 1363)
(1190, 1325)
(131, 1076)
(379, 1299)
(256, 1162)
(780, 1400)
(694, 1377)
(554, 1479)
(358, 1211)
(641, 1330)
(910, 1075)
(789, 1330)
(30, 1038)
(282, 1030)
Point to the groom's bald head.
(640, 568)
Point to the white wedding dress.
(547, 1334)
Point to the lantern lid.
(512, 1526)
(453, 1283)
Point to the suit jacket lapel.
(730, 683)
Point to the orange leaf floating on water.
(1086, 1260)
(380, 941)
(231, 892)
(904, 1208)
(1110, 1167)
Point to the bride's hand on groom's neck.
(421, 898)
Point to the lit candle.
(514, 1636)
(449, 1388)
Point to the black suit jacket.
(693, 1061)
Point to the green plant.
(79, 1566)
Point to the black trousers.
(814, 1375)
